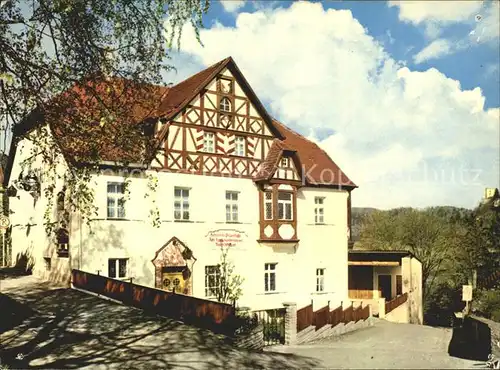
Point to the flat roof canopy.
(377, 258)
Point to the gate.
(273, 325)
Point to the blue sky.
(478, 65)
(404, 97)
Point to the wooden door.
(385, 286)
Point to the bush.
(487, 304)
(441, 304)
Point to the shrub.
(487, 304)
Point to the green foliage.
(427, 236)
(154, 212)
(453, 244)
(229, 284)
(487, 304)
(49, 47)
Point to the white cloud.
(482, 16)
(405, 137)
(487, 28)
(436, 49)
(418, 12)
(232, 6)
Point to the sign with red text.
(226, 237)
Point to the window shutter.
(199, 139)
(231, 143)
(220, 142)
(251, 145)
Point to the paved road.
(386, 345)
(60, 328)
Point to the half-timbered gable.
(286, 169)
(221, 130)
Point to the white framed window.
(268, 205)
(209, 142)
(239, 146)
(212, 277)
(181, 204)
(320, 280)
(285, 162)
(225, 104)
(118, 268)
(319, 210)
(231, 206)
(270, 277)
(285, 203)
(116, 200)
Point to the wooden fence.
(321, 317)
(217, 316)
(307, 317)
(396, 302)
(304, 317)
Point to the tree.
(228, 283)
(427, 236)
(90, 66)
(47, 46)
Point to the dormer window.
(225, 105)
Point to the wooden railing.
(217, 316)
(307, 317)
(396, 302)
(360, 294)
(336, 316)
(320, 317)
(348, 315)
(304, 317)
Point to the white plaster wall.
(322, 246)
(28, 230)
(417, 308)
(400, 314)
(386, 270)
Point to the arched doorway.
(173, 267)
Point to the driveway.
(58, 328)
(386, 345)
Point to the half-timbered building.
(224, 174)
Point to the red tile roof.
(268, 166)
(186, 90)
(81, 134)
(137, 103)
(318, 167)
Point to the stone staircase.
(310, 334)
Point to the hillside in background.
(357, 216)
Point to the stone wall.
(252, 340)
(494, 332)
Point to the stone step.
(305, 334)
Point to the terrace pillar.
(290, 323)
(381, 308)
